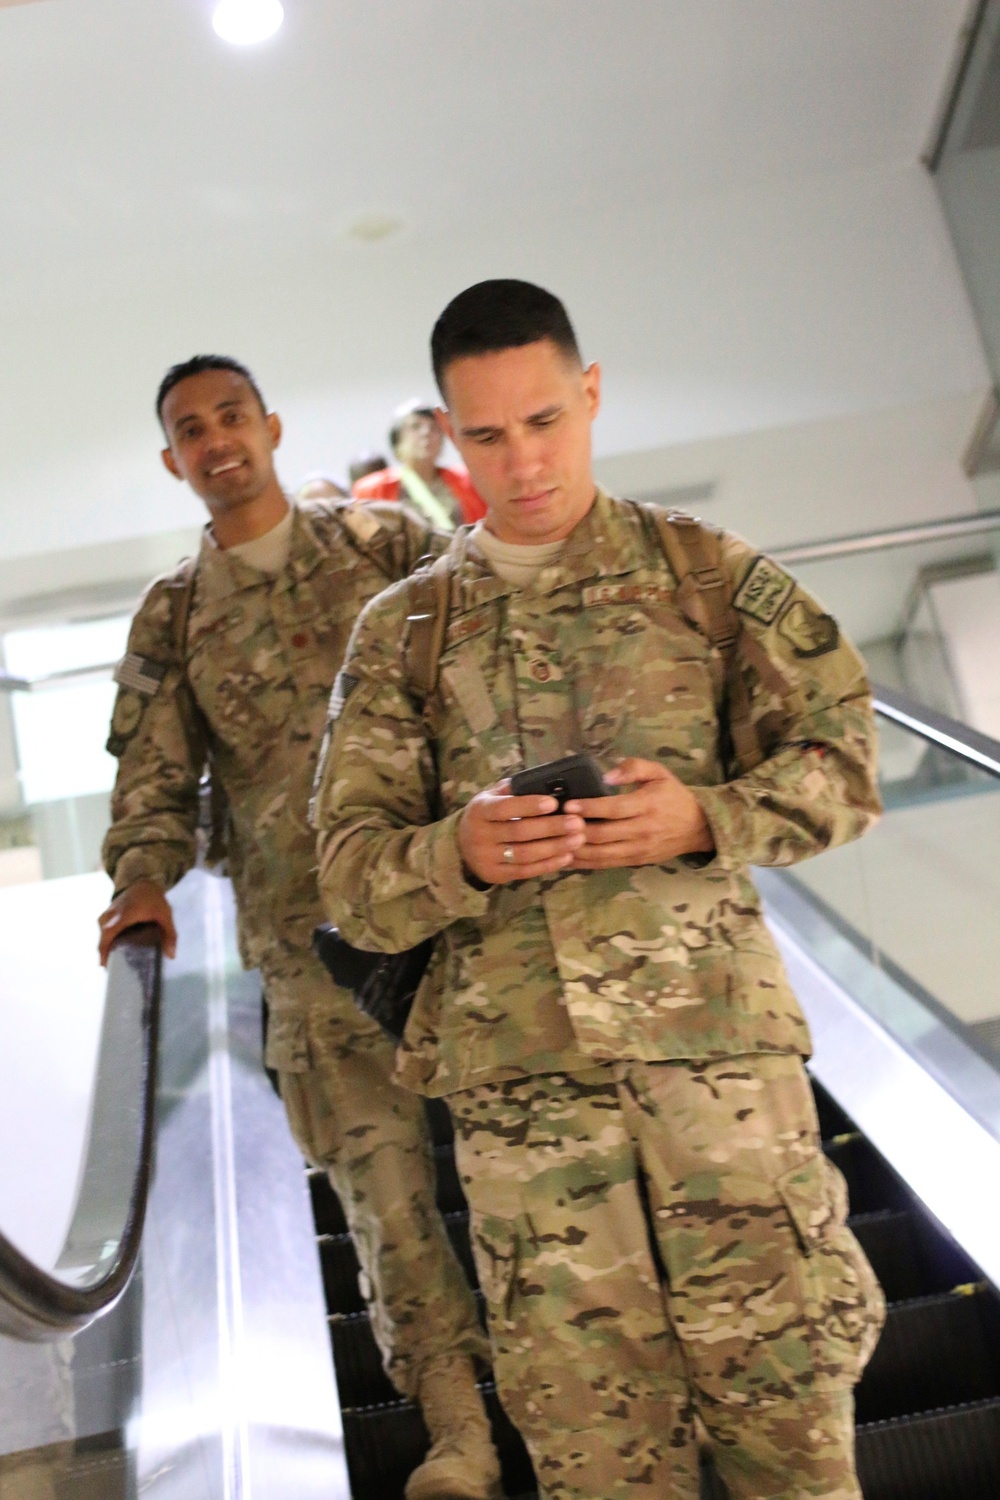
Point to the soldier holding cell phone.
(657, 1233)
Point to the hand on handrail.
(139, 903)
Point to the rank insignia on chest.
(764, 591)
(140, 673)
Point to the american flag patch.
(141, 674)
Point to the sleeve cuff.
(725, 813)
(139, 864)
(446, 878)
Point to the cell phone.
(573, 776)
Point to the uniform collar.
(221, 574)
(605, 544)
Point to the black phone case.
(573, 776)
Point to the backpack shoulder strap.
(428, 607)
(180, 606)
(703, 592)
(705, 597)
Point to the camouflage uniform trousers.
(370, 1135)
(663, 1251)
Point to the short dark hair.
(496, 315)
(197, 365)
(366, 463)
(396, 430)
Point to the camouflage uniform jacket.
(652, 962)
(250, 699)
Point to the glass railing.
(922, 603)
(906, 919)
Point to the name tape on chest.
(140, 673)
(629, 593)
(764, 592)
(464, 679)
(466, 625)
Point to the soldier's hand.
(657, 821)
(503, 838)
(142, 902)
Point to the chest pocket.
(241, 679)
(648, 684)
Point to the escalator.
(210, 1376)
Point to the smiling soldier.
(230, 661)
(657, 1233)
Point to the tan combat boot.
(462, 1463)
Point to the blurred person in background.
(445, 497)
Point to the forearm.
(816, 791)
(153, 830)
(388, 887)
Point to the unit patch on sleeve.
(140, 673)
(807, 631)
(764, 591)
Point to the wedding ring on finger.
(508, 855)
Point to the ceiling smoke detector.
(244, 22)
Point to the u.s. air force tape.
(140, 673)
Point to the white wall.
(793, 302)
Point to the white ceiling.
(136, 143)
(727, 194)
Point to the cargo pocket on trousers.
(844, 1305)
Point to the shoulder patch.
(807, 630)
(140, 673)
(360, 522)
(764, 592)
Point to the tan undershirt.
(513, 562)
(267, 553)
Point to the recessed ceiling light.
(244, 22)
(374, 227)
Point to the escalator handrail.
(35, 1305)
(969, 744)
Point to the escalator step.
(909, 1257)
(450, 1197)
(832, 1119)
(952, 1454)
(361, 1380)
(439, 1122)
(871, 1183)
(327, 1212)
(386, 1443)
(889, 1241)
(934, 1352)
(339, 1265)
